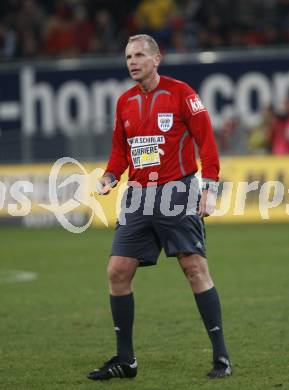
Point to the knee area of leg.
(193, 273)
(117, 274)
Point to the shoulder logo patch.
(165, 121)
(195, 104)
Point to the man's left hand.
(207, 203)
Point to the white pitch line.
(16, 276)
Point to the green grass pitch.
(56, 328)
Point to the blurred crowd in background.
(63, 28)
(271, 135)
(30, 28)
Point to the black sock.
(122, 308)
(210, 309)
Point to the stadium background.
(58, 94)
(61, 72)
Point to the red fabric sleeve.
(118, 163)
(198, 121)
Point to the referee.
(158, 123)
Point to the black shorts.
(160, 217)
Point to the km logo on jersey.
(195, 104)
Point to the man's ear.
(158, 59)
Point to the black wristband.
(210, 185)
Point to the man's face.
(141, 62)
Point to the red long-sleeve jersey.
(156, 132)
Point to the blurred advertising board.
(252, 189)
(66, 107)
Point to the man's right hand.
(104, 185)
